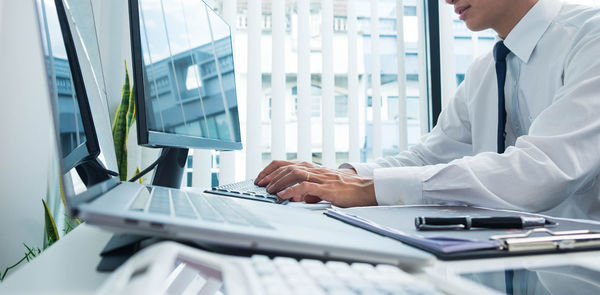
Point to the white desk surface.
(69, 266)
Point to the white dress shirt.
(552, 160)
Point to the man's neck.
(514, 13)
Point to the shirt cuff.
(362, 169)
(398, 185)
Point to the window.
(341, 106)
(388, 87)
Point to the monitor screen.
(184, 75)
(76, 130)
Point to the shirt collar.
(527, 33)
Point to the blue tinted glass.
(71, 130)
(189, 81)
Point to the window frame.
(433, 57)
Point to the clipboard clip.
(554, 240)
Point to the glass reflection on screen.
(71, 130)
(189, 80)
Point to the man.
(522, 132)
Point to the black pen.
(468, 222)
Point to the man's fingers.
(310, 199)
(274, 165)
(294, 175)
(305, 164)
(277, 175)
(279, 183)
(299, 192)
(268, 174)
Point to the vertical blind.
(254, 89)
(278, 120)
(304, 82)
(228, 159)
(422, 48)
(327, 84)
(402, 126)
(250, 81)
(376, 79)
(353, 101)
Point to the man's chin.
(475, 26)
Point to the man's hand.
(274, 168)
(302, 181)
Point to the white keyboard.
(283, 275)
(171, 268)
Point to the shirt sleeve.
(557, 158)
(450, 139)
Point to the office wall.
(24, 131)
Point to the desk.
(69, 266)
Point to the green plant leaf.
(30, 254)
(120, 127)
(137, 171)
(130, 111)
(49, 227)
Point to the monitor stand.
(168, 173)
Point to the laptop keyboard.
(283, 275)
(197, 206)
(246, 190)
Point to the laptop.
(213, 220)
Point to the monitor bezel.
(91, 149)
(151, 138)
(71, 198)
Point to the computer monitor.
(184, 80)
(76, 127)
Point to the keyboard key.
(362, 267)
(205, 210)
(338, 266)
(285, 261)
(299, 280)
(140, 201)
(160, 201)
(311, 263)
(269, 279)
(260, 258)
(227, 212)
(182, 206)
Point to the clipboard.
(397, 222)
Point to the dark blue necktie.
(500, 53)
